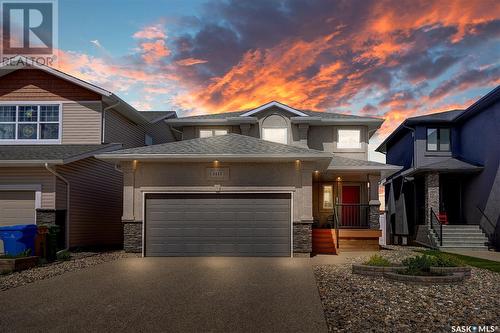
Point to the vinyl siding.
(37, 85)
(118, 129)
(95, 203)
(32, 176)
(82, 123)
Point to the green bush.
(446, 260)
(378, 260)
(63, 255)
(419, 264)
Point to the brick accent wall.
(132, 236)
(302, 238)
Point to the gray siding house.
(51, 126)
(271, 181)
(448, 193)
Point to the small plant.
(63, 255)
(446, 260)
(378, 260)
(419, 265)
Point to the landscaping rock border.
(8, 265)
(422, 279)
(374, 270)
(466, 271)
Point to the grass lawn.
(493, 266)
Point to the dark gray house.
(448, 192)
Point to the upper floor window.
(206, 133)
(438, 139)
(349, 138)
(26, 123)
(275, 129)
(148, 140)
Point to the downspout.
(54, 172)
(103, 122)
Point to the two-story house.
(271, 181)
(448, 193)
(51, 126)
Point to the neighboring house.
(450, 175)
(51, 126)
(271, 181)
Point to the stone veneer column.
(303, 218)
(132, 229)
(374, 203)
(431, 192)
(46, 216)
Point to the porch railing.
(352, 215)
(437, 226)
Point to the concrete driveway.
(171, 294)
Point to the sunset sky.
(391, 59)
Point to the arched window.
(275, 128)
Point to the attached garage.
(216, 224)
(17, 207)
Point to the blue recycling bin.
(18, 238)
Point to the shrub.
(445, 260)
(419, 264)
(63, 255)
(378, 260)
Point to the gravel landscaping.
(373, 304)
(79, 260)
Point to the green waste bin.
(52, 242)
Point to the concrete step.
(461, 248)
(462, 231)
(464, 244)
(465, 238)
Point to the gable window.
(275, 129)
(327, 197)
(206, 133)
(349, 138)
(27, 123)
(438, 139)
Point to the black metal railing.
(437, 226)
(490, 230)
(353, 215)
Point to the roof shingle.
(48, 152)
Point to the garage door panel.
(218, 225)
(17, 207)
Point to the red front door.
(350, 207)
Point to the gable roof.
(52, 154)
(223, 147)
(156, 116)
(274, 104)
(433, 118)
(18, 62)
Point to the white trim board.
(276, 104)
(212, 192)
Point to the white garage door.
(218, 224)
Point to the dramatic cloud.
(393, 59)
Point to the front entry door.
(350, 207)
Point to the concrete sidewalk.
(488, 255)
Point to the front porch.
(346, 211)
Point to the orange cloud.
(156, 31)
(190, 62)
(153, 51)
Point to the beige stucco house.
(51, 126)
(271, 181)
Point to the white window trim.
(37, 141)
(213, 130)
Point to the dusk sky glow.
(392, 59)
